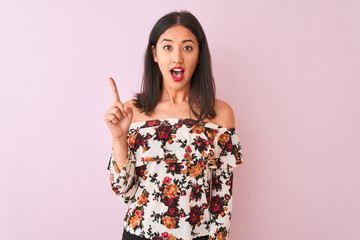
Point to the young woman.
(174, 144)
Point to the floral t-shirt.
(177, 181)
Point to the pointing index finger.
(114, 90)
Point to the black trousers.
(128, 236)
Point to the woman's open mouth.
(177, 73)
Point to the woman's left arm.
(229, 156)
(221, 202)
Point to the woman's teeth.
(177, 73)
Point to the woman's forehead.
(177, 33)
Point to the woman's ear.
(154, 53)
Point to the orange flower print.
(132, 139)
(220, 236)
(187, 156)
(116, 167)
(172, 237)
(149, 159)
(211, 135)
(167, 236)
(195, 170)
(171, 190)
(142, 199)
(224, 138)
(198, 129)
(169, 222)
(135, 221)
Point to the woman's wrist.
(119, 139)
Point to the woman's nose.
(177, 57)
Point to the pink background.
(288, 69)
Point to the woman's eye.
(167, 47)
(187, 48)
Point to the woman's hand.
(118, 117)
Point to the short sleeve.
(227, 149)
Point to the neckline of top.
(175, 120)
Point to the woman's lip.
(177, 68)
(177, 79)
(180, 78)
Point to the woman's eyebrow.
(169, 40)
(165, 39)
(189, 40)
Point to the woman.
(174, 144)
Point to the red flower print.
(227, 197)
(173, 211)
(138, 213)
(152, 123)
(163, 133)
(217, 205)
(172, 167)
(165, 235)
(188, 149)
(189, 122)
(138, 141)
(195, 193)
(168, 201)
(167, 180)
(194, 217)
(140, 171)
(228, 147)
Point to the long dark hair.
(202, 90)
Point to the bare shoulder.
(224, 114)
(138, 116)
(129, 103)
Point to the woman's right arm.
(119, 151)
(122, 161)
(124, 181)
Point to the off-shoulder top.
(178, 178)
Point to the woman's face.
(177, 54)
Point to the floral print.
(178, 178)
